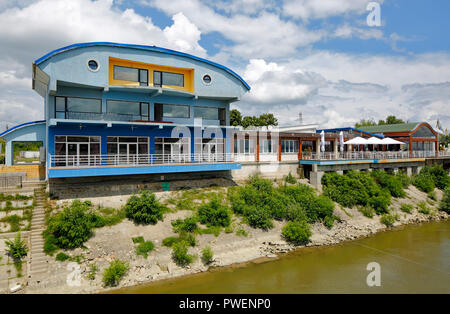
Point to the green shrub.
(50, 244)
(380, 203)
(351, 189)
(404, 179)
(61, 257)
(444, 205)
(180, 254)
(115, 272)
(93, 269)
(388, 220)
(241, 233)
(328, 222)
(187, 225)
(290, 179)
(144, 248)
(440, 176)
(424, 182)
(144, 208)
(207, 255)
(170, 241)
(14, 222)
(423, 208)
(296, 232)
(296, 212)
(390, 182)
(367, 211)
(214, 214)
(138, 240)
(432, 195)
(407, 208)
(71, 227)
(17, 248)
(259, 218)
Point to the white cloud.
(316, 9)
(261, 35)
(29, 30)
(340, 89)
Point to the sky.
(321, 58)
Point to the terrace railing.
(136, 160)
(373, 155)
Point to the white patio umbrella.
(356, 141)
(375, 141)
(390, 141)
(322, 141)
(341, 141)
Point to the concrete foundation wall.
(266, 170)
(91, 187)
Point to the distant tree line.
(371, 122)
(266, 119)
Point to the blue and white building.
(116, 109)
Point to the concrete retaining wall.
(266, 170)
(91, 187)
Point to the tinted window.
(175, 111)
(206, 113)
(84, 105)
(126, 74)
(123, 107)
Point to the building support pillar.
(409, 171)
(315, 179)
(318, 148)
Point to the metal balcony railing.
(373, 155)
(135, 160)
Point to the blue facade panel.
(110, 171)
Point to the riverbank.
(115, 242)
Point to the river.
(412, 259)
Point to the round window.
(207, 79)
(93, 65)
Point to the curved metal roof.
(141, 47)
(20, 126)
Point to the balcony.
(108, 116)
(61, 166)
(374, 155)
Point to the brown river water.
(412, 259)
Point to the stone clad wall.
(31, 171)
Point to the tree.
(364, 122)
(235, 117)
(371, 122)
(391, 120)
(265, 119)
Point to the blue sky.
(318, 57)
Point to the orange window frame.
(188, 74)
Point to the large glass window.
(66, 105)
(267, 146)
(207, 113)
(244, 146)
(131, 74)
(289, 146)
(167, 78)
(133, 108)
(172, 149)
(171, 111)
(423, 132)
(77, 150)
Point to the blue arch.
(141, 47)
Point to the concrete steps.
(38, 259)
